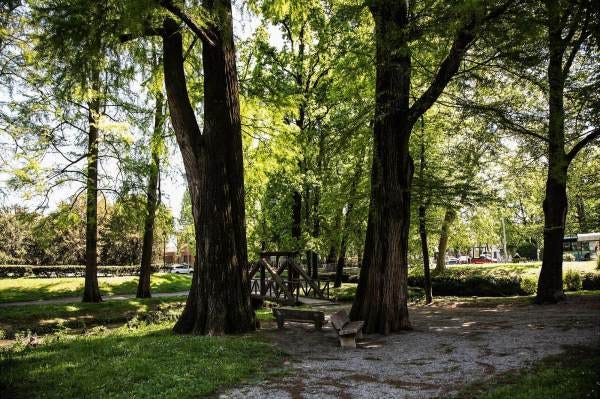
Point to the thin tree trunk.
(449, 218)
(550, 283)
(425, 251)
(348, 220)
(581, 219)
(219, 299)
(91, 291)
(143, 290)
(423, 220)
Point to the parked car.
(484, 259)
(181, 269)
(451, 260)
(464, 259)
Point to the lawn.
(33, 289)
(42, 319)
(148, 361)
(571, 375)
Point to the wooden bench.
(300, 316)
(347, 330)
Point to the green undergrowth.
(571, 375)
(142, 361)
(34, 289)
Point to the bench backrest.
(339, 319)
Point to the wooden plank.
(277, 278)
(352, 328)
(309, 280)
(339, 319)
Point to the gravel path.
(451, 345)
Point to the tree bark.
(143, 290)
(91, 290)
(382, 294)
(219, 299)
(449, 217)
(550, 283)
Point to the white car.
(181, 269)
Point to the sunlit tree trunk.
(143, 290)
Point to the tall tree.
(143, 290)
(382, 293)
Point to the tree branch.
(594, 134)
(204, 34)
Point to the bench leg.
(348, 341)
(318, 325)
(359, 334)
(280, 322)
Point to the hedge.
(70, 270)
(474, 285)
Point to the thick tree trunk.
(425, 251)
(91, 291)
(449, 217)
(143, 290)
(219, 299)
(382, 294)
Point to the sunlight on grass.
(149, 361)
(33, 289)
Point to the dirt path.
(450, 345)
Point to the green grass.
(33, 289)
(145, 362)
(571, 375)
(347, 292)
(43, 319)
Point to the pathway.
(450, 345)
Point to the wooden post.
(263, 288)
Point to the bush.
(474, 285)
(598, 262)
(529, 285)
(573, 281)
(568, 257)
(70, 270)
(591, 281)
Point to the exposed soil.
(452, 344)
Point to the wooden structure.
(285, 280)
(347, 330)
(300, 316)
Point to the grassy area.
(145, 362)
(572, 375)
(43, 319)
(348, 290)
(33, 289)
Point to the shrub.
(573, 281)
(69, 270)
(569, 257)
(529, 285)
(591, 281)
(474, 285)
(598, 262)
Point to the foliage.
(15, 271)
(572, 280)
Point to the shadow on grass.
(142, 363)
(45, 319)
